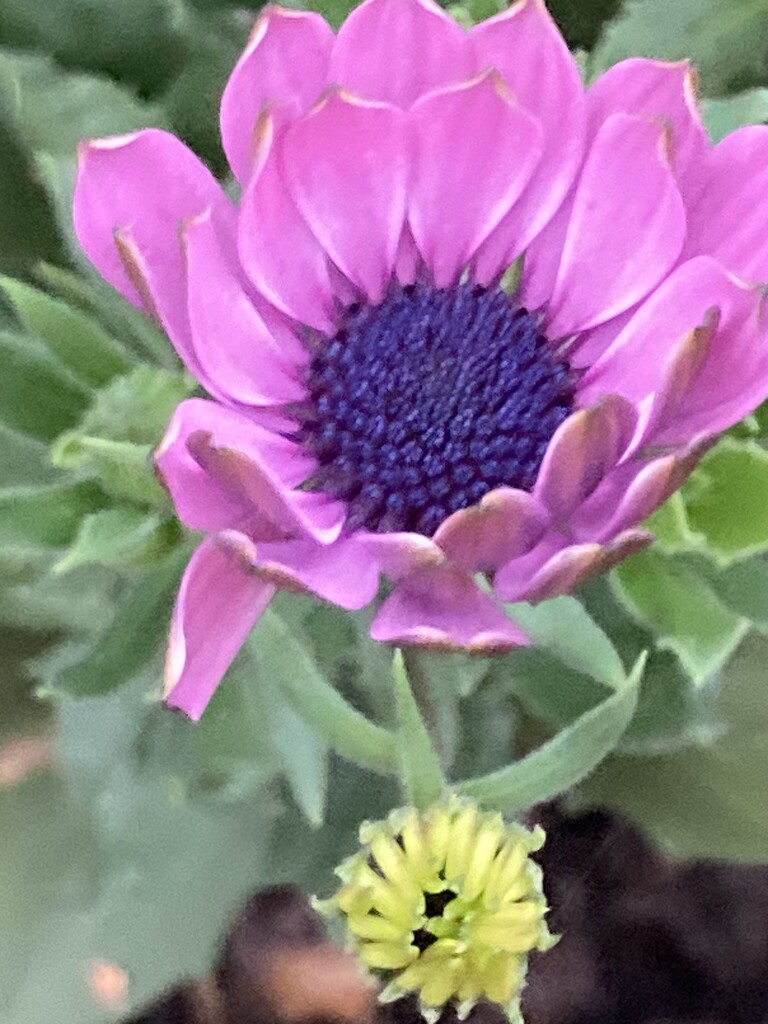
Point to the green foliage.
(669, 598)
(707, 801)
(561, 762)
(724, 40)
(84, 348)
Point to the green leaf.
(561, 762)
(80, 603)
(214, 41)
(48, 515)
(56, 109)
(729, 505)
(101, 302)
(136, 408)
(125, 470)
(420, 769)
(141, 622)
(672, 712)
(284, 656)
(27, 229)
(38, 396)
(24, 460)
(669, 598)
(725, 40)
(743, 588)
(81, 345)
(138, 43)
(122, 537)
(563, 628)
(672, 529)
(581, 23)
(710, 801)
(727, 113)
(303, 757)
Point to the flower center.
(421, 405)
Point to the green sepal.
(563, 761)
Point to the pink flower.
(379, 405)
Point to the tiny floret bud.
(446, 904)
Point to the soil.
(645, 940)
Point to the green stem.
(347, 731)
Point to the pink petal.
(342, 573)
(346, 166)
(583, 450)
(633, 363)
(504, 525)
(202, 503)
(564, 572)
(473, 153)
(553, 570)
(232, 344)
(543, 257)
(285, 66)
(132, 193)
(218, 605)
(655, 89)
(280, 254)
(407, 261)
(730, 220)
(626, 229)
(400, 554)
(716, 376)
(525, 44)
(397, 50)
(260, 469)
(442, 607)
(636, 491)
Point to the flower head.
(466, 318)
(447, 904)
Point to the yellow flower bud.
(446, 904)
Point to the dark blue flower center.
(419, 406)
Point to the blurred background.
(128, 836)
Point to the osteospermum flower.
(466, 320)
(447, 904)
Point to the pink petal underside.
(442, 607)
(202, 503)
(504, 525)
(279, 253)
(633, 364)
(218, 604)
(347, 169)
(400, 554)
(715, 377)
(526, 46)
(632, 492)
(397, 50)
(132, 193)
(259, 468)
(730, 220)
(585, 447)
(343, 573)
(473, 153)
(626, 227)
(285, 65)
(666, 92)
(232, 343)
(553, 569)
